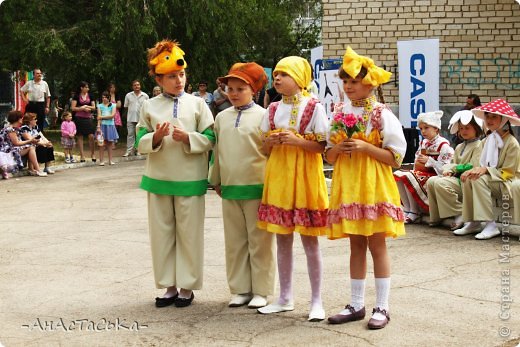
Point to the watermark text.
(84, 324)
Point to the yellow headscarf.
(298, 68)
(352, 64)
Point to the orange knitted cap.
(251, 73)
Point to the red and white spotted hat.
(500, 107)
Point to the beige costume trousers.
(250, 262)
(444, 197)
(177, 240)
(479, 197)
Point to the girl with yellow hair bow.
(364, 201)
(295, 194)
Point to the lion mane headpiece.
(165, 57)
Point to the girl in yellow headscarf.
(295, 193)
(364, 202)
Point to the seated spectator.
(445, 192)
(7, 162)
(19, 147)
(434, 152)
(499, 167)
(44, 148)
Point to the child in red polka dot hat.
(499, 107)
(499, 168)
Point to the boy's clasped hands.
(163, 129)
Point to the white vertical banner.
(316, 58)
(418, 79)
(331, 86)
(316, 54)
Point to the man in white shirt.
(37, 95)
(133, 102)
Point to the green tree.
(106, 40)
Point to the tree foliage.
(106, 40)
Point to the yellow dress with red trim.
(440, 153)
(295, 193)
(364, 197)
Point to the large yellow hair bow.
(353, 62)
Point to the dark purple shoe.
(345, 318)
(378, 324)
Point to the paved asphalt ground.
(75, 270)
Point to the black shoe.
(93, 160)
(182, 302)
(163, 302)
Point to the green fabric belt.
(179, 188)
(245, 192)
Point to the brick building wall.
(479, 42)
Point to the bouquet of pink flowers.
(345, 125)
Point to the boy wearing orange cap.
(238, 174)
(175, 130)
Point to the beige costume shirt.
(445, 192)
(479, 194)
(239, 164)
(174, 168)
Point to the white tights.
(285, 267)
